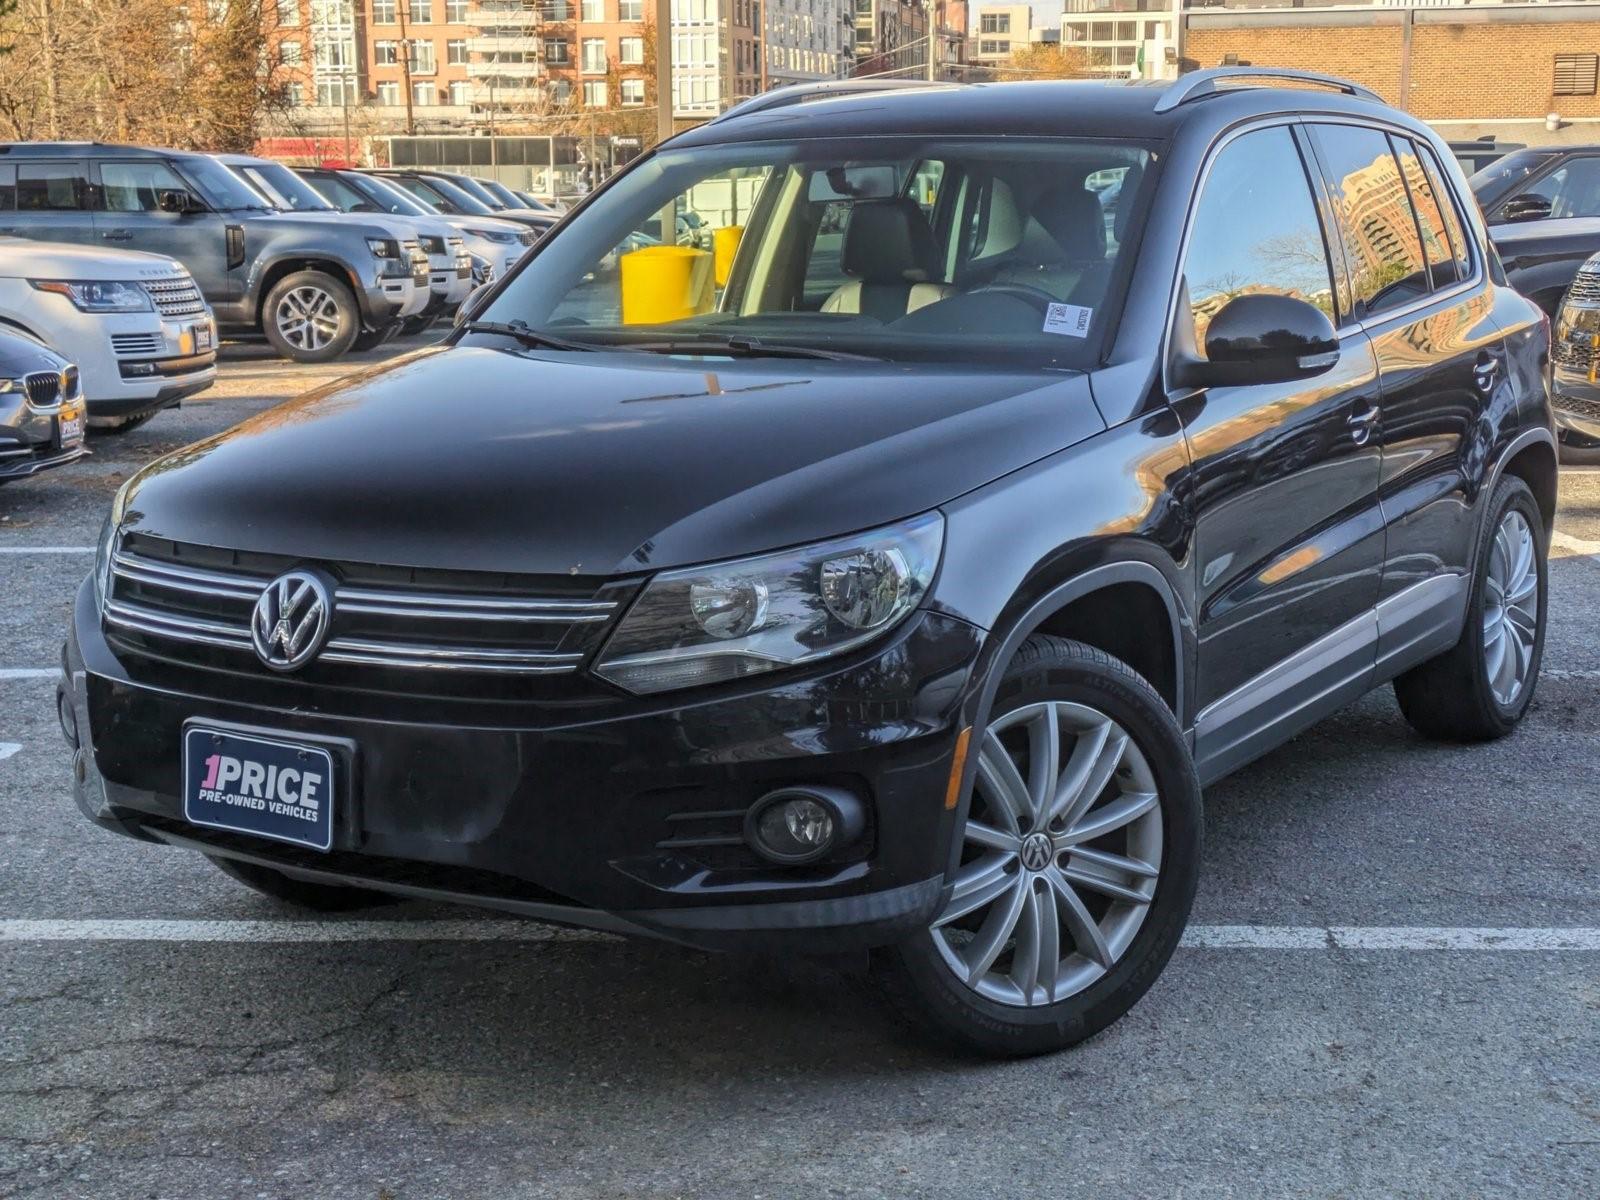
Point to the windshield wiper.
(747, 347)
(524, 333)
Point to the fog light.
(801, 825)
(66, 715)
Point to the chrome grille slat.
(227, 599)
(175, 296)
(1585, 288)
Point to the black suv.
(890, 577)
(1543, 210)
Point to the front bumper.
(561, 815)
(130, 363)
(30, 439)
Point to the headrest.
(889, 241)
(1073, 218)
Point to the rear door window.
(1255, 230)
(1430, 216)
(1382, 240)
(137, 186)
(8, 187)
(51, 187)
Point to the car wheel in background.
(1577, 454)
(1079, 857)
(413, 326)
(310, 317)
(320, 897)
(1481, 687)
(117, 425)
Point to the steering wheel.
(1037, 297)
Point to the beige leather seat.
(892, 260)
(1075, 265)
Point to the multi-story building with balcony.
(997, 30)
(1126, 38)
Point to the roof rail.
(799, 93)
(1204, 83)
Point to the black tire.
(914, 976)
(416, 326)
(1449, 698)
(1574, 455)
(318, 897)
(345, 317)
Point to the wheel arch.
(1532, 458)
(278, 268)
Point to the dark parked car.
(1543, 209)
(461, 195)
(42, 413)
(891, 590)
(1575, 349)
(313, 288)
(1481, 152)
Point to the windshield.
(221, 188)
(443, 193)
(283, 187)
(476, 189)
(509, 198)
(1499, 177)
(387, 196)
(897, 248)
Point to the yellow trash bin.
(665, 283)
(724, 245)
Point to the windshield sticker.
(1069, 320)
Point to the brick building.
(1470, 70)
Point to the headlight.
(109, 296)
(729, 620)
(494, 235)
(383, 247)
(106, 546)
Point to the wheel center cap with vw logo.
(1037, 851)
(291, 620)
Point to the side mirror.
(1526, 208)
(1261, 338)
(470, 307)
(171, 200)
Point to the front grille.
(176, 296)
(431, 244)
(1585, 288)
(1589, 409)
(193, 603)
(44, 388)
(128, 345)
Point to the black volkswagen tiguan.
(888, 576)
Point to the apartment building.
(997, 30)
(1125, 38)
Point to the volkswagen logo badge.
(291, 620)
(1037, 851)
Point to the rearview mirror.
(1261, 338)
(174, 200)
(1527, 208)
(869, 181)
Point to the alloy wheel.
(1510, 607)
(1061, 856)
(308, 317)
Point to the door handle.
(117, 235)
(1484, 370)
(1361, 420)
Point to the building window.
(460, 92)
(632, 93)
(630, 51)
(291, 53)
(994, 46)
(455, 12)
(994, 23)
(421, 12)
(383, 12)
(388, 92)
(555, 52)
(424, 60)
(422, 93)
(594, 56)
(630, 10)
(594, 93)
(560, 91)
(336, 93)
(288, 12)
(592, 10)
(386, 53)
(294, 95)
(455, 51)
(1576, 74)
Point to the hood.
(23, 259)
(367, 224)
(602, 463)
(21, 355)
(492, 223)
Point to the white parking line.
(1198, 937)
(29, 672)
(7, 749)
(1574, 546)
(46, 549)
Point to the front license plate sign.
(258, 785)
(202, 338)
(71, 430)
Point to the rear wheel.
(1080, 853)
(1482, 686)
(319, 897)
(309, 316)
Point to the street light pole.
(405, 66)
(663, 70)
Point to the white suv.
(142, 335)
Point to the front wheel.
(1079, 857)
(310, 317)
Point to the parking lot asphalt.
(1392, 986)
